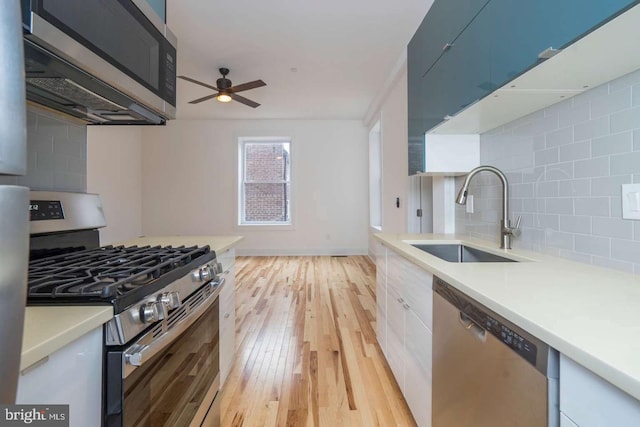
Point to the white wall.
(190, 183)
(395, 182)
(114, 172)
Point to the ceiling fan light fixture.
(223, 97)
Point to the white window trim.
(239, 187)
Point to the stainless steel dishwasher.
(487, 372)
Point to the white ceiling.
(321, 59)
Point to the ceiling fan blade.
(244, 100)
(246, 86)
(189, 79)
(204, 98)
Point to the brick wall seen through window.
(266, 182)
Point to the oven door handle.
(138, 354)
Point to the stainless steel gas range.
(161, 349)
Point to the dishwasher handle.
(474, 329)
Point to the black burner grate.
(115, 274)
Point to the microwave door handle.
(138, 354)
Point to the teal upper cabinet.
(466, 49)
(441, 27)
(522, 30)
(160, 7)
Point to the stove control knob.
(204, 274)
(152, 312)
(170, 299)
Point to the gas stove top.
(117, 275)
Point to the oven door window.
(168, 389)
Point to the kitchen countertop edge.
(47, 329)
(607, 356)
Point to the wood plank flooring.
(307, 353)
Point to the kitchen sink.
(453, 252)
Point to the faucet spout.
(506, 231)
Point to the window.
(265, 181)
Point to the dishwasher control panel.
(510, 335)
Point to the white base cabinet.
(71, 376)
(227, 313)
(587, 400)
(380, 253)
(408, 318)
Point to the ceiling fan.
(226, 92)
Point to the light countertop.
(588, 313)
(49, 328)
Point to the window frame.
(241, 195)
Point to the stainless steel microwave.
(102, 61)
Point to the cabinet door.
(417, 291)
(381, 295)
(521, 30)
(462, 74)
(417, 391)
(395, 335)
(566, 422)
(72, 376)
(227, 323)
(590, 401)
(442, 25)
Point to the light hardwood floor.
(307, 353)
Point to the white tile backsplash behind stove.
(56, 154)
(566, 165)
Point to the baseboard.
(301, 252)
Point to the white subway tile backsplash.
(533, 174)
(592, 245)
(625, 250)
(598, 166)
(561, 205)
(610, 263)
(521, 190)
(625, 120)
(565, 165)
(609, 185)
(575, 187)
(591, 129)
(573, 256)
(559, 171)
(592, 206)
(56, 153)
(612, 144)
(574, 114)
(559, 240)
(612, 227)
(575, 224)
(577, 151)
(547, 189)
(625, 81)
(607, 104)
(628, 163)
(546, 221)
(616, 207)
(559, 137)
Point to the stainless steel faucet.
(506, 231)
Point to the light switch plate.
(631, 201)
